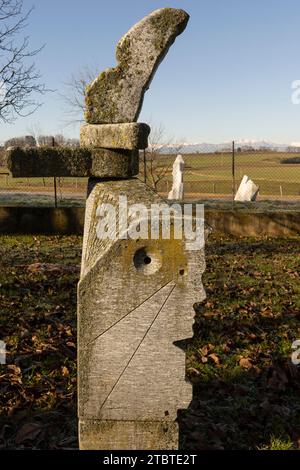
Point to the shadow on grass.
(250, 410)
(245, 387)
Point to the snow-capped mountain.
(244, 144)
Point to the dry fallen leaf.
(215, 358)
(28, 431)
(194, 371)
(49, 267)
(14, 369)
(65, 371)
(245, 363)
(206, 349)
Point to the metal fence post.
(233, 170)
(55, 193)
(145, 167)
(52, 144)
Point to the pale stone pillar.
(177, 173)
(135, 300)
(135, 295)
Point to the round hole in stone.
(147, 260)
(181, 272)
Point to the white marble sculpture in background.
(247, 191)
(177, 173)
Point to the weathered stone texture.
(247, 191)
(130, 313)
(130, 135)
(121, 435)
(116, 95)
(65, 161)
(110, 163)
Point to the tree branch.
(19, 80)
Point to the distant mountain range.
(205, 147)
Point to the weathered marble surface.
(131, 135)
(66, 161)
(177, 173)
(247, 190)
(116, 95)
(130, 313)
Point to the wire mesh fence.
(42, 191)
(217, 175)
(208, 175)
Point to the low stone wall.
(48, 220)
(253, 224)
(69, 220)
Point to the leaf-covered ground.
(246, 390)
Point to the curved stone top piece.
(116, 95)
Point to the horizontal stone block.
(129, 135)
(80, 162)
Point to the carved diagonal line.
(128, 313)
(138, 346)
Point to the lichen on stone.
(117, 94)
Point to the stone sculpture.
(177, 173)
(117, 94)
(135, 295)
(247, 190)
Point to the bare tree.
(57, 140)
(61, 141)
(73, 96)
(158, 163)
(24, 142)
(19, 79)
(35, 130)
(157, 167)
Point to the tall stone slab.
(135, 302)
(137, 288)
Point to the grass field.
(212, 173)
(246, 389)
(205, 174)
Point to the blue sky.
(228, 76)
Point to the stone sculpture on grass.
(135, 295)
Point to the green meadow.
(205, 173)
(212, 172)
